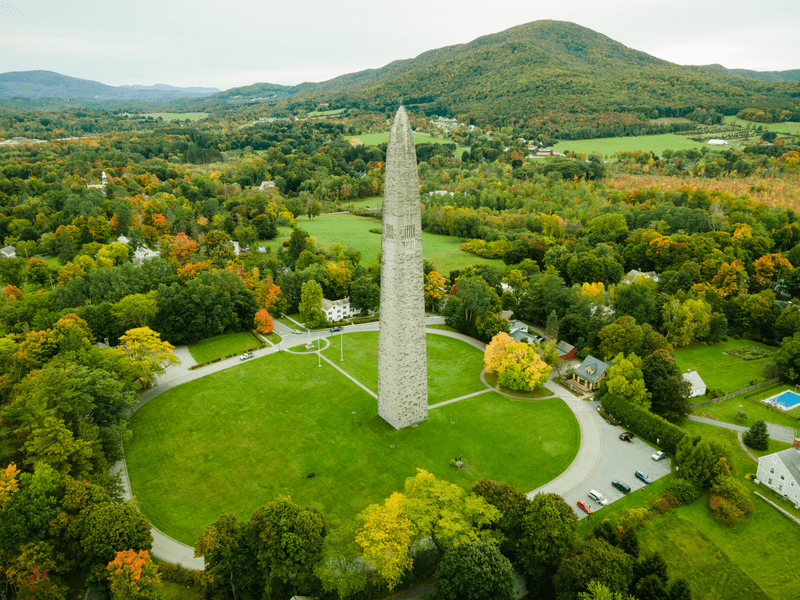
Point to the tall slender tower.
(402, 357)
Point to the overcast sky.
(229, 43)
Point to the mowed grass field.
(373, 139)
(442, 250)
(607, 146)
(169, 116)
(751, 405)
(788, 127)
(722, 371)
(234, 440)
(453, 366)
(222, 345)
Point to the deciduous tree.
(474, 572)
(152, 355)
(134, 576)
(386, 538)
(311, 304)
(263, 322)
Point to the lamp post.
(319, 356)
(341, 346)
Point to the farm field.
(788, 127)
(607, 146)
(372, 202)
(325, 113)
(722, 371)
(373, 139)
(169, 116)
(222, 345)
(453, 366)
(442, 250)
(228, 443)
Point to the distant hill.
(550, 71)
(793, 75)
(47, 84)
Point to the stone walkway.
(776, 432)
(584, 464)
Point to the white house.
(336, 310)
(266, 185)
(697, 383)
(8, 252)
(144, 253)
(780, 471)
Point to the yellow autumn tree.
(521, 368)
(8, 484)
(730, 279)
(149, 354)
(435, 290)
(770, 268)
(386, 538)
(594, 291)
(495, 350)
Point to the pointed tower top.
(401, 139)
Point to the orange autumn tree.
(269, 296)
(263, 322)
(13, 292)
(770, 268)
(133, 576)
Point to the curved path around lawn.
(583, 465)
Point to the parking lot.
(620, 461)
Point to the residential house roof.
(520, 335)
(697, 383)
(592, 369)
(564, 348)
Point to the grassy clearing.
(236, 439)
(751, 405)
(176, 591)
(453, 366)
(654, 143)
(718, 370)
(169, 116)
(222, 345)
(374, 202)
(374, 139)
(325, 113)
(789, 128)
(442, 250)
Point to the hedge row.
(644, 423)
(219, 358)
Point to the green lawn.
(755, 409)
(236, 439)
(453, 366)
(790, 128)
(222, 345)
(325, 113)
(718, 370)
(373, 139)
(170, 116)
(373, 202)
(654, 143)
(442, 250)
(176, 591)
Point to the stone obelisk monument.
(402, 359)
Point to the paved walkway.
(584, 464)
(776, 432)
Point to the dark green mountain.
(543, 71)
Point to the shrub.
(684, 490)
(635, 519)
(740, 416)
(644, 423)
(725, 512)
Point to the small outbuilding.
(697, 383)
(565, 351)
(8, 252)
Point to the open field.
(755, 409)
(718, 370)
(453, 366)
(442, 250)
(789, 127)
(222, 345)
(373, 202)
(236, 439)
(374, 139)
(654, 143)
(325, 113)
(169, 116)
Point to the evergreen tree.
(551, 328)
(757, 437)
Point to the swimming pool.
(785, 400)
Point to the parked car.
(626, 436)
(659, 455)
(598, 497)
(643, 477)
(582, 505)
(246, 355)
(335, 329)
(296, 331)
(621, 486)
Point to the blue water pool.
(785, 401)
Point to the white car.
(598, 497)
(659, 455)
(246, 355)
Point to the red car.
(584, 507)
